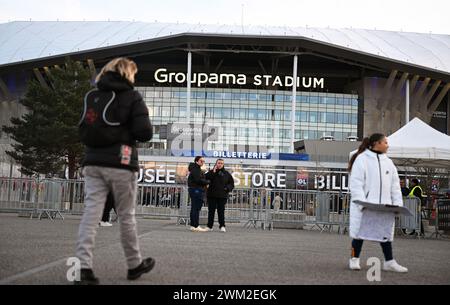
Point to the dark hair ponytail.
(367, 142)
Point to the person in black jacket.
(221, 184)
(114, 119)
(196, 187)
(109, 205)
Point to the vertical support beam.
(418, 96)
(423, 87)
(407, 102)
(5, 90)
(39, 77)
(47, 71)
(439, 98)
(386, 89)
(448, 119)
(92, 69)
(401, 82)
(188, 87)
(412, 84)
(429, 96)
(294, 101)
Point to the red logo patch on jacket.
(91, 116)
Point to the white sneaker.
(393, 266)
(200, 229)
(222, 229)
(209, 229)
(354, 263)
(105, 224)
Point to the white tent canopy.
(418, 144)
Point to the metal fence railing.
(254, 207)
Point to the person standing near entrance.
(373, 179)
(114, 119)
(416, 191)
(196, 186)
(109, 205)
(403, 187)
(221, 184)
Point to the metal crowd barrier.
(166, 201)
(410, 223)
(442, 222)
(255, 207)
(36, 197)
(322, 210)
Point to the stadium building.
(260, 97)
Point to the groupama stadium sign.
(162, 76)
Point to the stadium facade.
(249, 93)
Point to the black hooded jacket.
(129, 109)
(196, 177)
(222, 183)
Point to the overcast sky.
(397, 15)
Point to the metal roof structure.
(23, 41)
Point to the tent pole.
(407, 103)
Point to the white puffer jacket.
(373, 179)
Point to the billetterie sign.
(163, 76)
(241, 155)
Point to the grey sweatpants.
(98, 182)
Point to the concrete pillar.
(294, 102)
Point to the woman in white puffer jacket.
(373, 179)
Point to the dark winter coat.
(129, 109)
(196, 177)
(222, 183)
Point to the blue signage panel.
(240, 155)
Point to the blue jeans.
(197, 198)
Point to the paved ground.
(35, 252)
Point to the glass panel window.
(312, 134)
(263, 114)
(182, 112)
(323, 117)
(217, 113)
(252, 114)
(165, 111)
(209, 112)
(226, 113)
(235, 96)
(265, 97)
(227, 95)
(330, 117)
(314, 99)
(287, 115)
(303, 116)
(346, 118)
(279, 98)
(199, 94)
(277, 115)
(302, 99)
(252, 97)
(313, 116)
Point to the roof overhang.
(280, 44)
